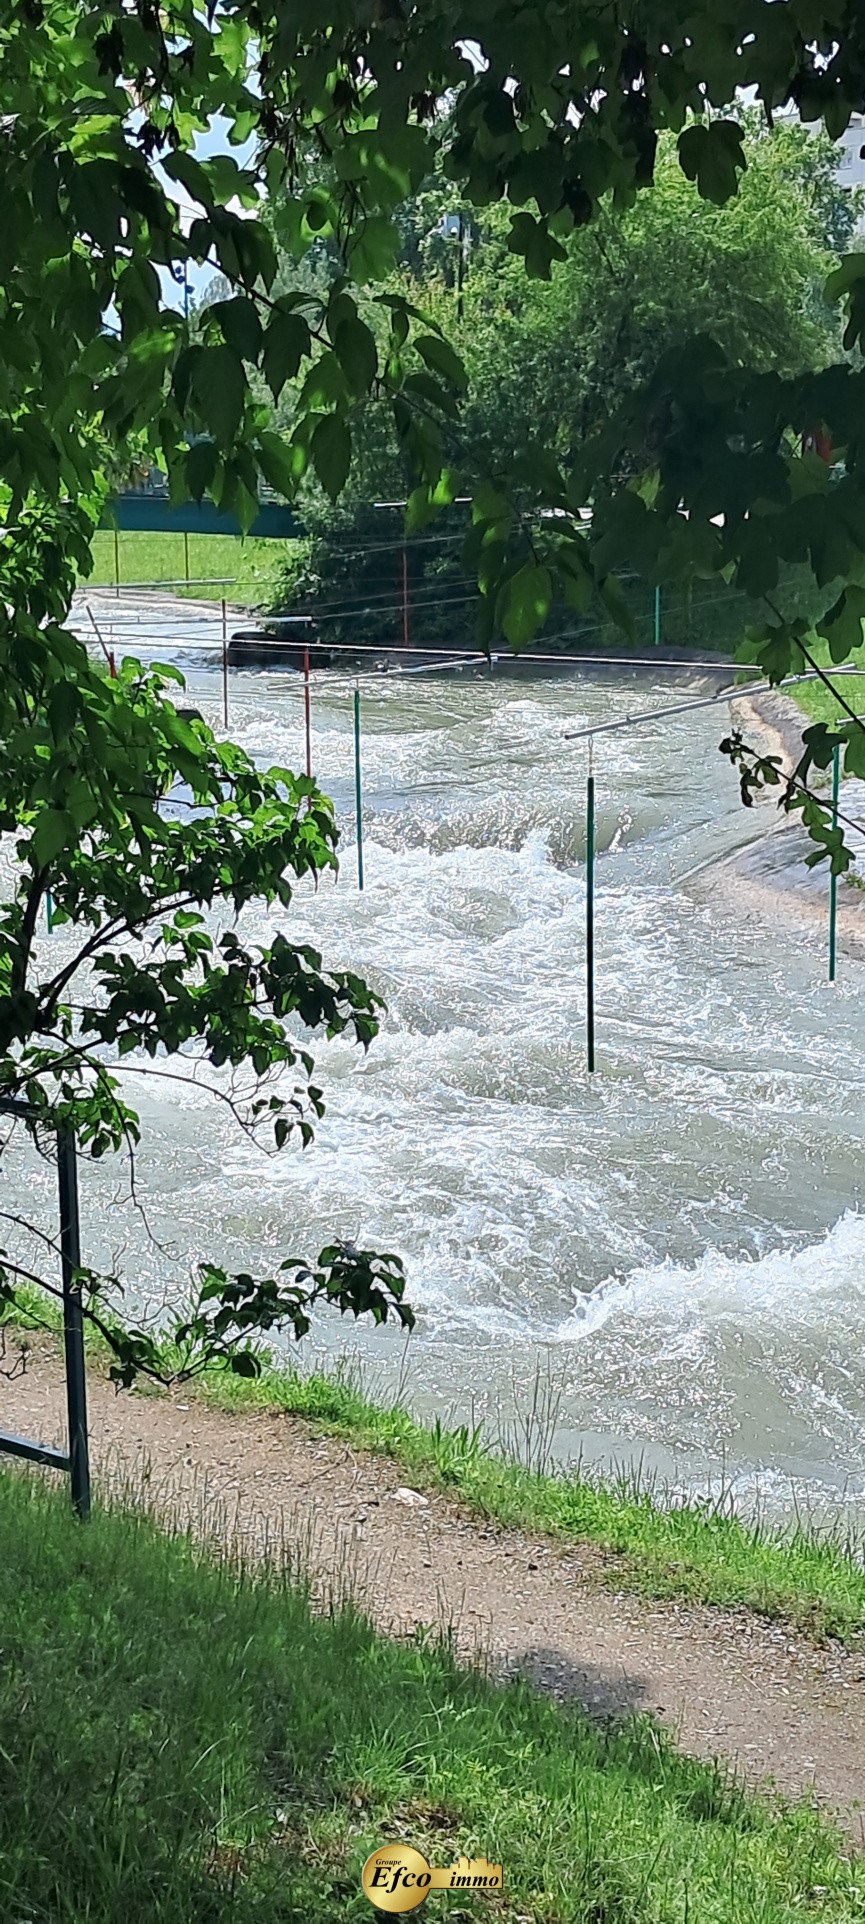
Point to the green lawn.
(182, 1742)
(244, 571)
(814, 698)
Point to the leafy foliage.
(550, 113)
(557, 358)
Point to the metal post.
(833, 879)
(590, 917)
(357, 793)
(224, 663)
(461, 266)
(117, 563)
(307, 712)
(73, 1323)
(657, 617)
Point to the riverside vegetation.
(182, 1738)
(699, 1550)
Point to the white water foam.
(679, 1232)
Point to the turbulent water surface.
(674, 1242)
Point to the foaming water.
(677, 1237)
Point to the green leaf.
(355, 348)
(190, 173)
(848, 282)
(842, 624)
(331, 453)
(373, 249)
(713, 155)
(774, 650)
(244, 1363)
(532, 239)
(200, 467)
(277, 463)
(240, 324)
(613, 598)
(443, 359)
(854, 753)
(220, 389)
(286, 342)
(52, 832)
(430, 391)
(419, 509)
(524, 603)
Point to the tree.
(641, 284)
(555, 110)
(568, 351)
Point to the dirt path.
(727, 1684)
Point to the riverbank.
(639, 1539)
(562, 1606)
(769, 878)
(176, 619)
(237, 1754)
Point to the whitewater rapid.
(674, 1243)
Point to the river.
(672, 1247)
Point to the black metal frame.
(76, 1461)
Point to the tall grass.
(654, 1542)
(183, 1741)
(700, 1550)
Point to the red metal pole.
(306, 707)
(112, 665)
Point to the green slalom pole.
(49, 910)
(657, 617)
(833, 879)
(590, 916)
(357, 791)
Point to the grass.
(183, 1741)
(814, 698)
(243, 571)
(699, 1552)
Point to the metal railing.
(74, 1462)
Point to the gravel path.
(726, 1683)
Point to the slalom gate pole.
(657, 617)
(357, 789)
(307, 713)
(49, 910)
(833, 879)
(590, 916)
(224, 663)
(117, 563)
